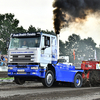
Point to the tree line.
(84, 48)
(8, 25)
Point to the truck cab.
(29, 54)
(30, 48)
(34, 56)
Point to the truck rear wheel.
(94, 78)
(49, 79)
(19, 81)
(78, 81)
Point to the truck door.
(45, 50)
(54, 50)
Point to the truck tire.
(19, 81)
(94, 78)
(49, 79)
(78, 81)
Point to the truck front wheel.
(49, 79)
(78, 81)
(19, 81)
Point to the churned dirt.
(36, 91)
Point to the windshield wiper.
(27, 47)
(16, 48)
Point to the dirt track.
(3, 74)
(36, 91)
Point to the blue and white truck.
(34, 56)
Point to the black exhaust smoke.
(67, 11)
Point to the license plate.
(21, 70)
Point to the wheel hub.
(78, 82)
(49, 78)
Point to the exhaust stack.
(57, 46)
(57, 35)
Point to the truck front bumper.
(27, 70)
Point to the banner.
(74, 54)
(95, 55)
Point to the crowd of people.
(3, 60)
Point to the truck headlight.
(11, 56)
(10, 67)
(32, 59)
(11, 59)
(34, 68)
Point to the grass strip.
(7, 78)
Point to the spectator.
(2, 57)
(3, 60)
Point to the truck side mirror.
(47, 43)
(43, 48)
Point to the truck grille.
(22, 58)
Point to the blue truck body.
(66, 73)
(63, 72)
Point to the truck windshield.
(24, 42)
